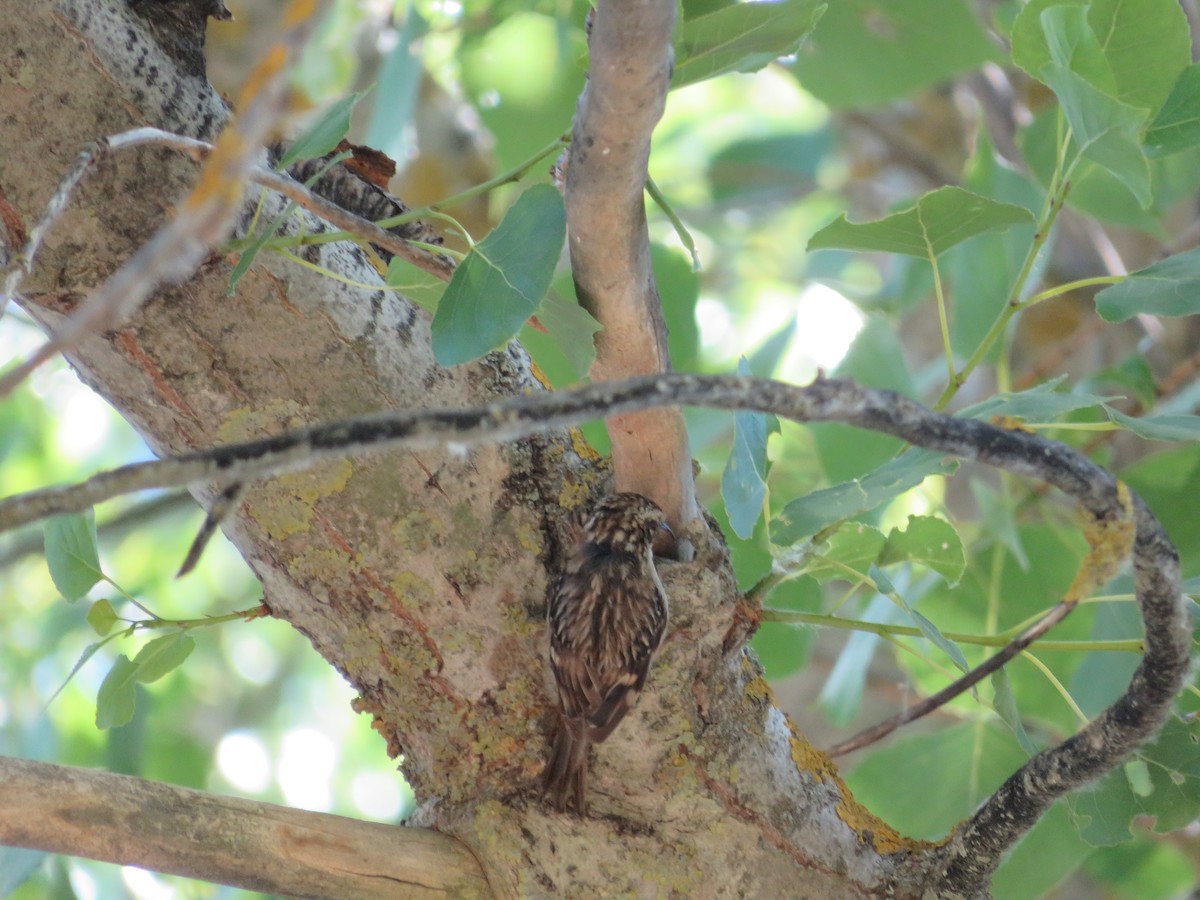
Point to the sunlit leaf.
(809, 514)
(572, 327)
(102, 617)
(929, 541)
(936, 222)
(501, 282)
(847, 554)
(72, 554)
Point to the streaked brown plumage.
(606, 618)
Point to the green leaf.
(809, 514)
(101, 617)
(741, 38)
(1170, 797)
(966, 761)
(416, 284)
(744, 481)
(501, 282)
(1177, 125)
(1159, 428)
(850, 551)
(1107, 131)
(1043, 403)
(929, 541)
(323, 135)
(161, 655)
(780, 647)
(1121, 30)
(1169, 287)
(896, 49)
(1126, 29)
(572, 327)
(936, 222)
(71, 553)
(116, 699)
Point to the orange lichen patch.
(1111, 543)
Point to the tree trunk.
(421, 577)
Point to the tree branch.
(630, 72)
(246, 844)
(978, 845)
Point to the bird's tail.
(566, 773)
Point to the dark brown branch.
(631, 63)
(256, 846)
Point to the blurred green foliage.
(913, 290)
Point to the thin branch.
(927, 705)
(978, 846)
(631, 59)
(241, 843)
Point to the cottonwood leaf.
(501, 282)
(1169, 287)
(71, 553)
(938, 221)
(741, 38)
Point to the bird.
(606, 618)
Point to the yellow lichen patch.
(572, 495)
(413, 590)
(416, 530)
(251, 422)
(873, 830)
(759, 691)
(540, 375)
(289, 508)
(585, 450)
(1111, 543)
(529, 538)
(318, 562)
(869, 827)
